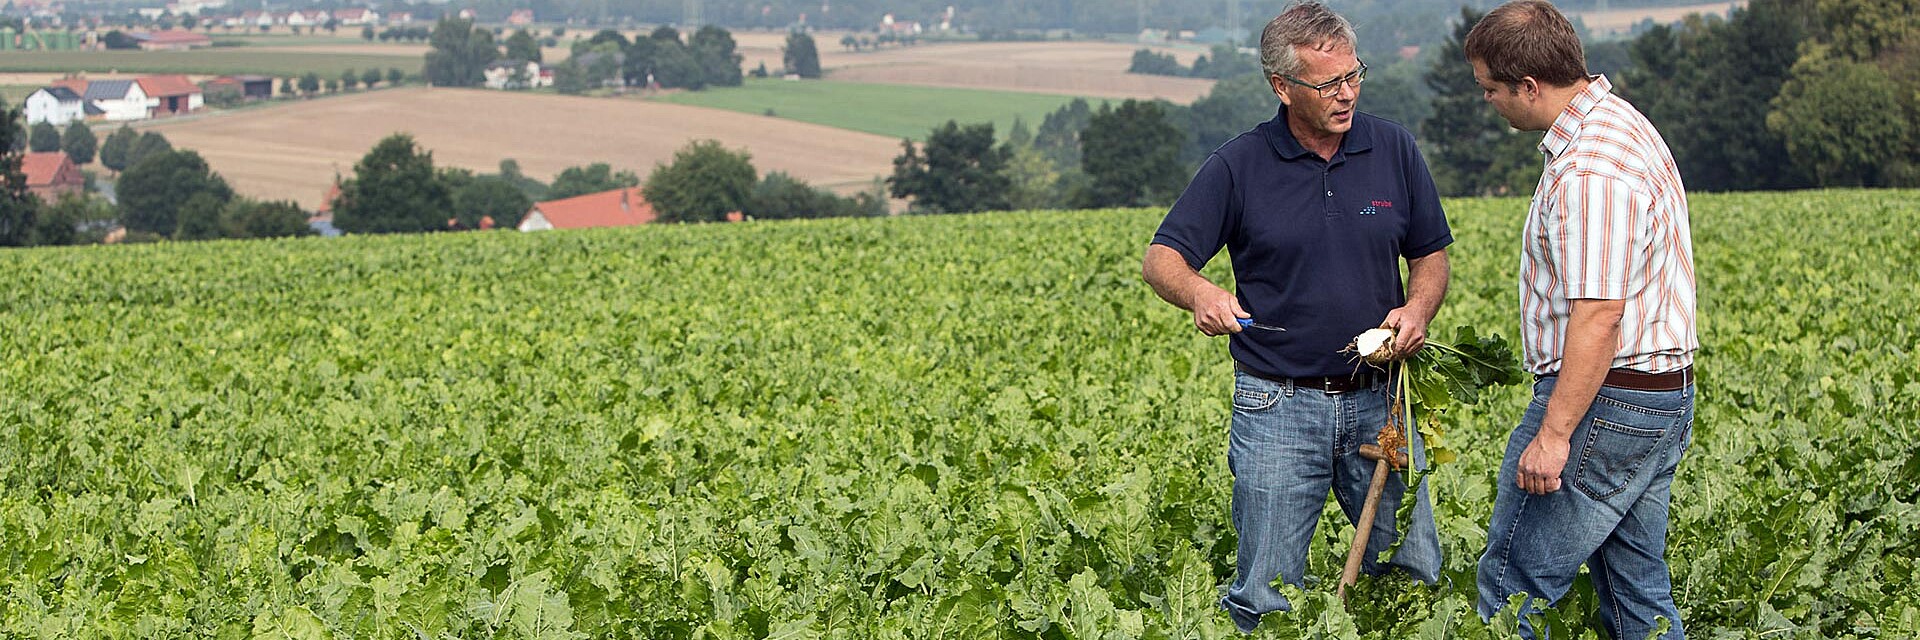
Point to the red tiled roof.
(616, 208)
(162, 86)
(42, 167)
(78, 85)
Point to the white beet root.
(1375, 346)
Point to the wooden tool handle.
(1363, 528)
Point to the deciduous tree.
(592, 178)
(19, 210)
(961, 171)
(116, 152)
(800, 56)
(149, 143)
(521, 46)
(44, 137)
(394, 190)
(460, 53)
(1132, 156)
(153, 191)
(79, 143)
(704, 183)
(489, 197)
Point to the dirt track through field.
(293, 152)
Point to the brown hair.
(1528, 38)
(1305, 24)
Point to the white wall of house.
(43, 107)
(535, 222)
(134, 106)
(500, 77)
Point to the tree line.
(1782, 94)
(460, 54)
(397, 189)
(162, 193)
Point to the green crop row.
(921, 427)
(897, 111)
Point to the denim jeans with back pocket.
(1609, 514)
(1289, 446)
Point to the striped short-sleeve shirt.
(1608, 222)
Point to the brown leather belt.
(1329, 384)
(1643, 381)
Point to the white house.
(356, 16)
(57, 105)
(500, 75)
(119, 99)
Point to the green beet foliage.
(924, 427)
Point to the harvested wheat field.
(1621, 21)
(293, 152)
(1091, 69)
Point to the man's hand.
(1426, 288)
(1216, 312)
(1541, 464)
(1409, 330)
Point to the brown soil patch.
(1093, 69)
(1620, 21)
(293, 152)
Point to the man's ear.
(1528, 85)
(1279, 89)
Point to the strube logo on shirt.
(1375, 207)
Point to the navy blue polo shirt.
(1316, 244)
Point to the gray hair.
(1305, 24)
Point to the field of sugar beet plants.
(919, 427)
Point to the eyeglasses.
(1331, 87)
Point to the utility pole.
(690, 14)
(1141, 7)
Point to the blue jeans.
(1610, 512)
(1290, 445)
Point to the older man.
(1319, 206)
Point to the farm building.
(171, 94)
(356, 16)
(58, 105)
(50, 174)
(119, 99)
(616, 208)
(520, 17)
(515, 74)
(247, 87)
(171, 40)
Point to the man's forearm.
(1593, 336)
(1427, 283)
(1167, 272)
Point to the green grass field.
(898, 111)
(205, 61)
(15, 93)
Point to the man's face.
(1506, 101)
(1328, 115)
